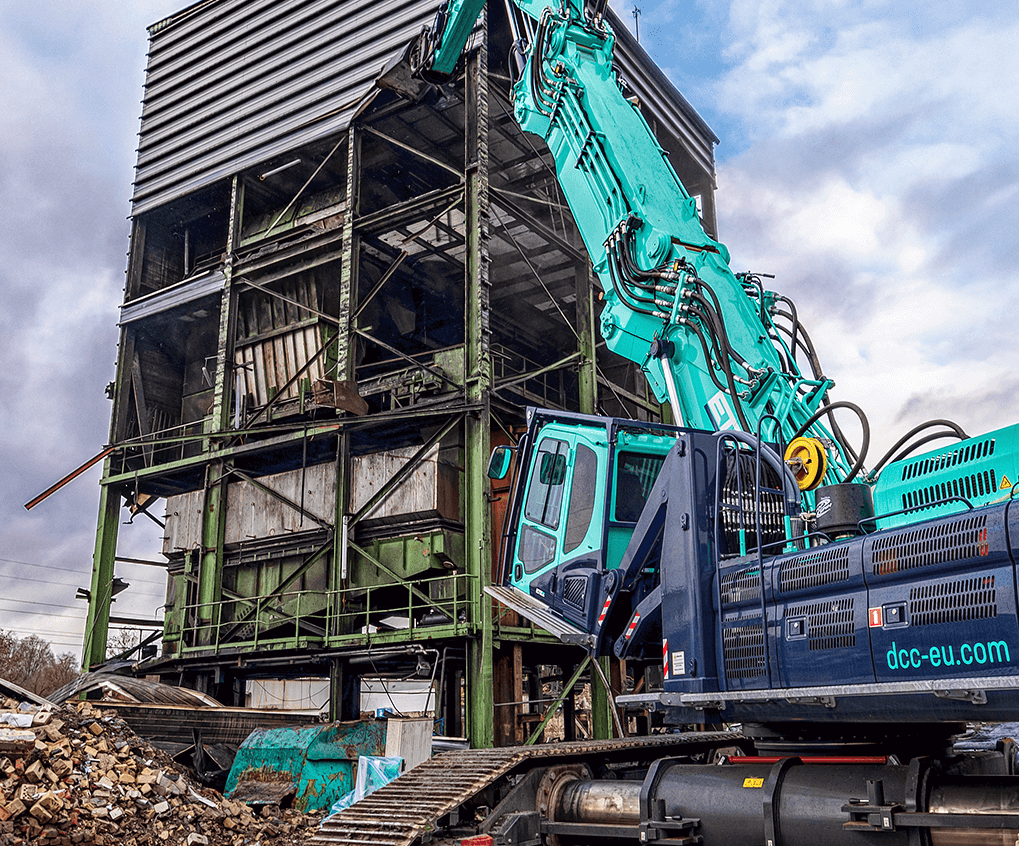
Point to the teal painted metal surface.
(721, 363)
(977, 471)
(314, 764)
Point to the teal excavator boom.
(704, 337)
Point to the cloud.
(876, 178)
(72, 83)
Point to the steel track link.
(400, 813)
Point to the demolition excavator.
(743, 560)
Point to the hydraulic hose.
(827, 409)
(613, 266)
(957, 430)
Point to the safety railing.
(299, 619)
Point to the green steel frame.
(213, 629)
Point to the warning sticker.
(679, 663)
(1005, 483)
(753, 782)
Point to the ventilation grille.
(744, 651)
(952, 540)
(814, 569)
(946, 460)
(575, 590)
(741, 585)
(970, 487)
(953, 602)
(830, 625)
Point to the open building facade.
(337, 301)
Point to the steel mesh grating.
(974, 486)
(575, 590)
(743, 648)
(946, 460)
(741, 585)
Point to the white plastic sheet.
(373, 772)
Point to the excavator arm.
(704, 338)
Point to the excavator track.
(400, 813)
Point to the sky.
(867, 159)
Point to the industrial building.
(337, 301)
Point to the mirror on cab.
(499, 463)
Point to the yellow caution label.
(753, 782)
(1005, 483)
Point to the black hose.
(613, 269)
(839, 435)
(707, 355)
(799, 345)
(795, 316)
(924, 440)
(752, 279)
(720, 323)
(827, 409)
(956, 429)
(806, 345)
(537, 58)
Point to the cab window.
(636, 473)
(536, 549)
(545, 490)
(582, 493)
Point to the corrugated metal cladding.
(232, 83)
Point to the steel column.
(345, 692)
(477, 514)
(97, 624)
(346, 348)
(210, 572)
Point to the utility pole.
(636, 22)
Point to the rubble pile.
(77, 775)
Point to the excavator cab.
(581, 484)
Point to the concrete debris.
(81, 776)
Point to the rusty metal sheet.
(314, 764)
(183, 522)
(263, 786)
(432, 490)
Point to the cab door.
(561, 515)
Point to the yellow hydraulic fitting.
(808, 461)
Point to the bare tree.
(29, 662)
(121, 640)
(8, 651)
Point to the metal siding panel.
(252, 513)
(176, 295)
(233, 83)
(272, 68)
(237, 82)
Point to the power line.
(49, 615)
(144, 609)
(50, 632)
(67, 584)
(80, 572)
(34, 602)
